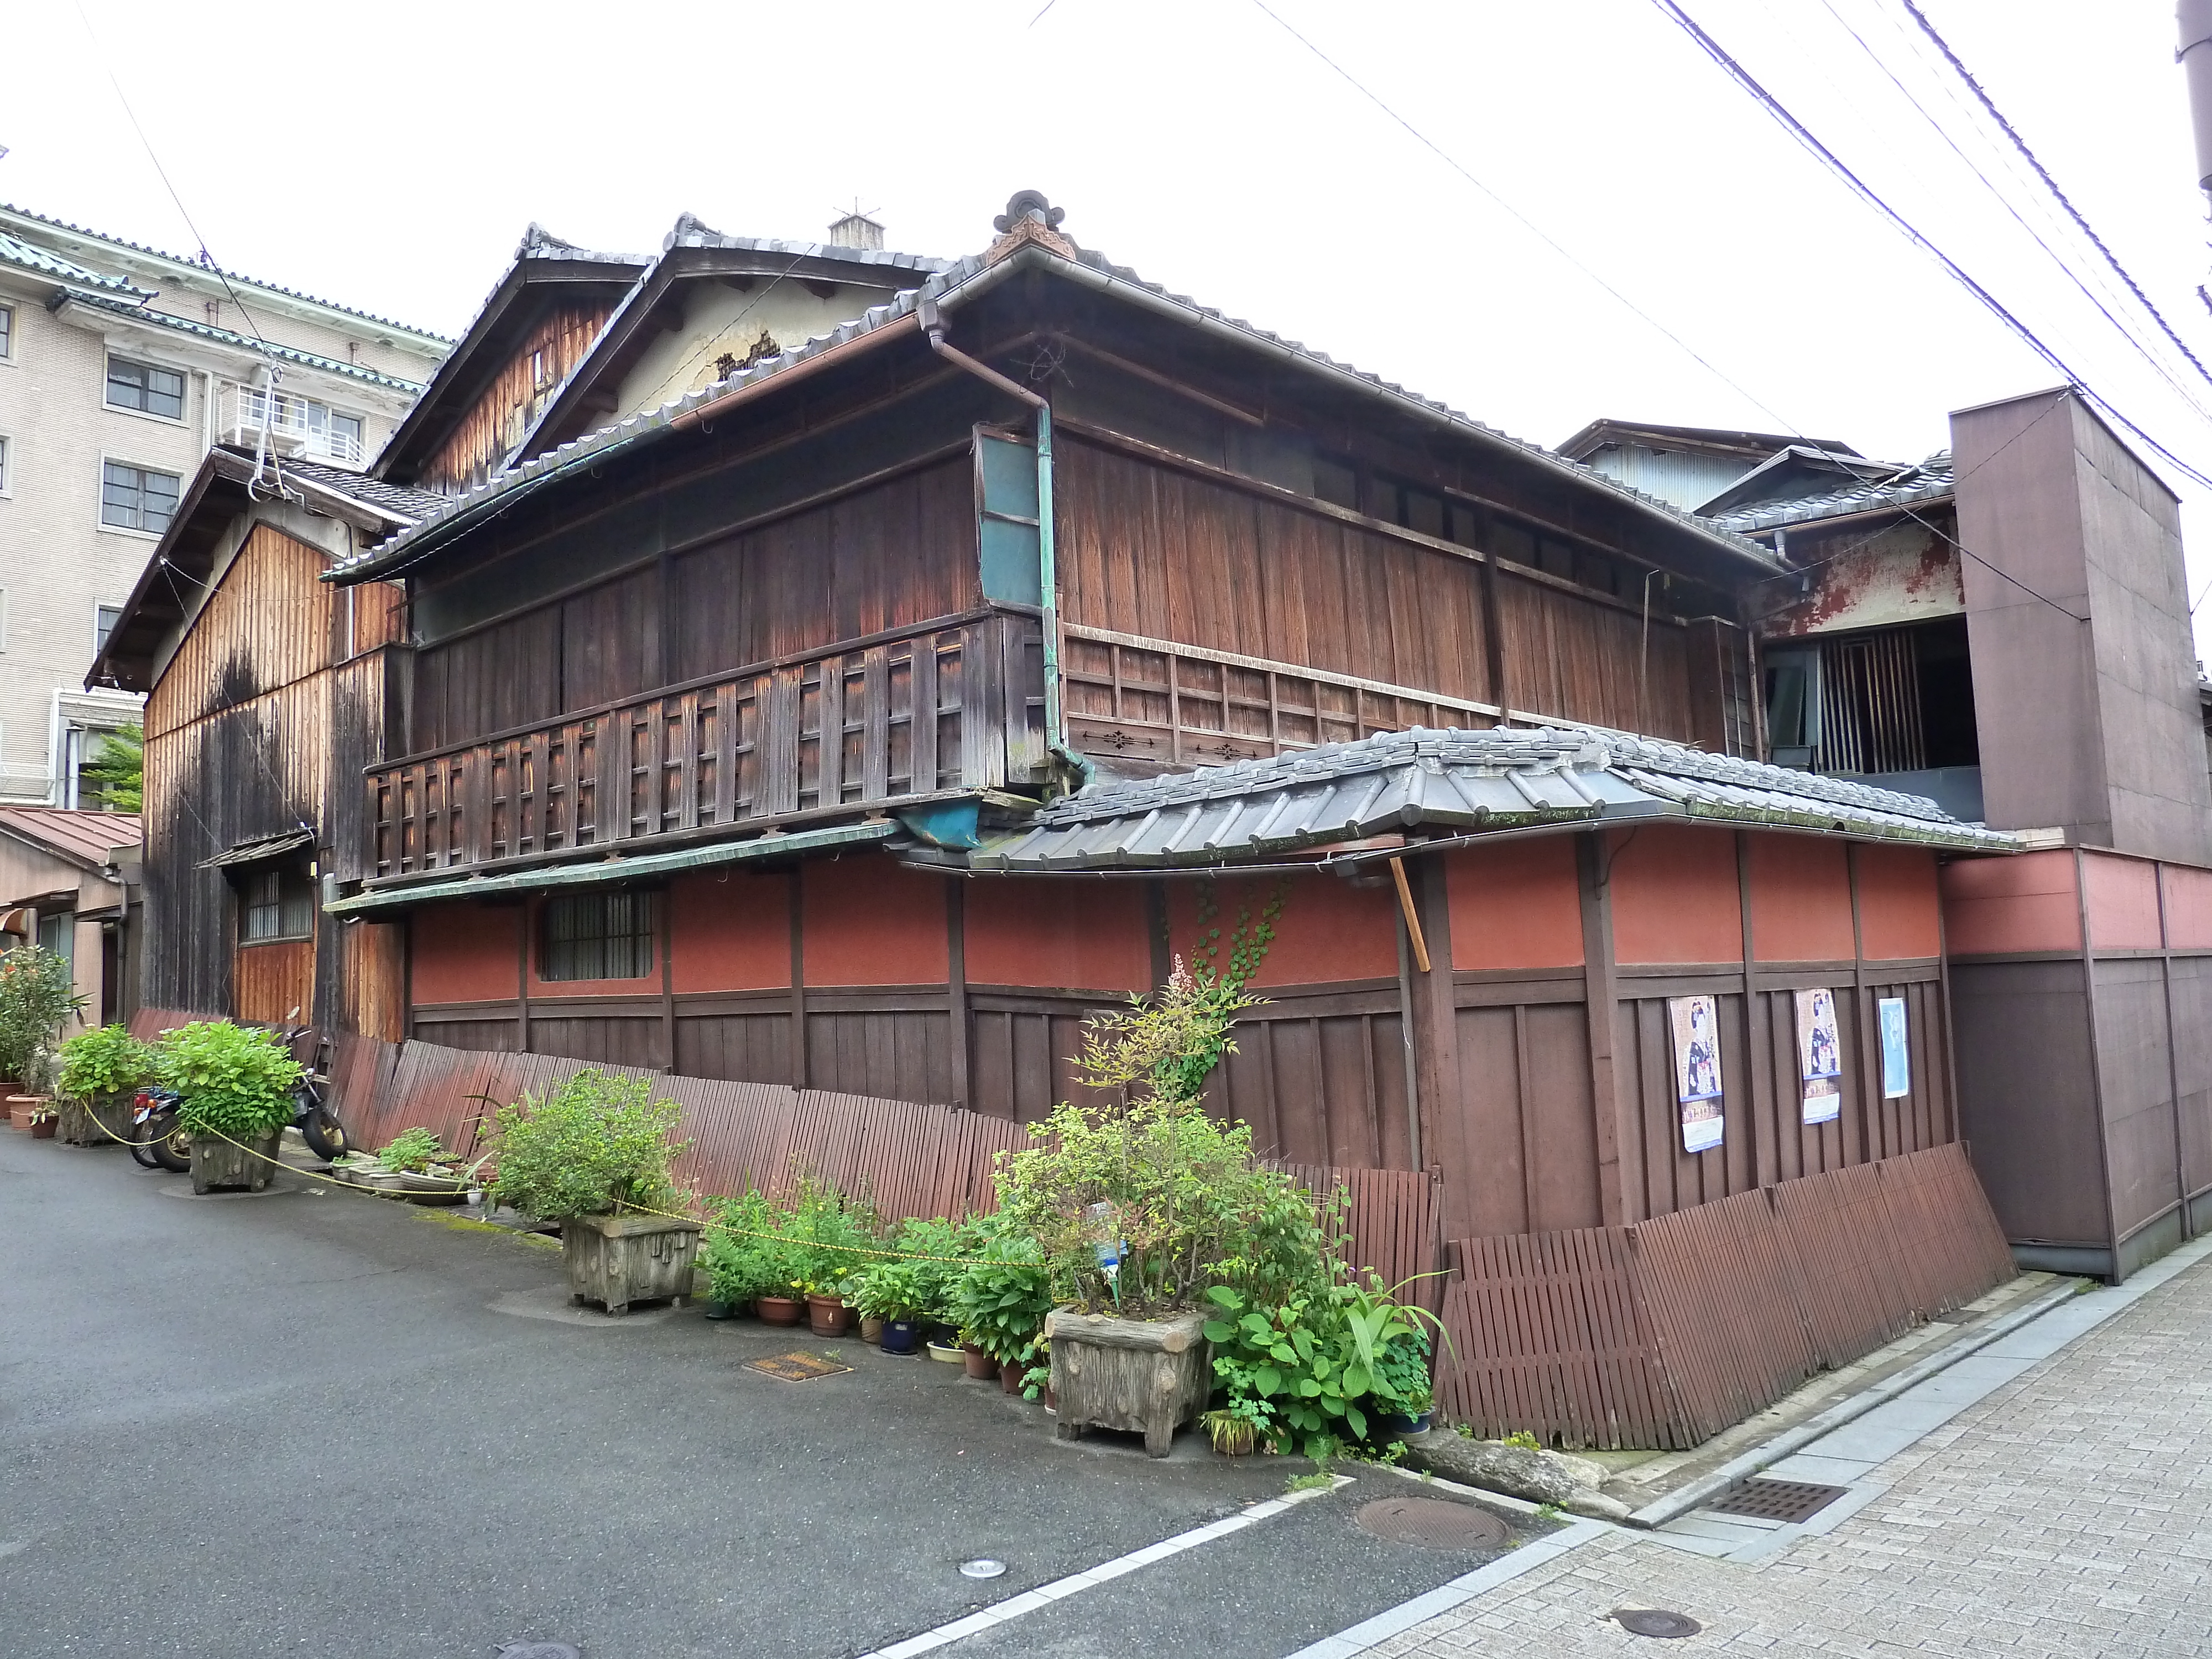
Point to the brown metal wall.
(1663, 1332)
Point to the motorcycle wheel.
(325, 1135)
(142, 1156)
(172, 1143)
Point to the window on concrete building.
(137, 497)
(145, 387)
(104, 618)
(7, 331)
(596, 936)
(276, 903)
(58, 933)
(7, 486)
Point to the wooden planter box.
(617, 1259)
(103, 1121)
(1147, 1377)
(218, 1166)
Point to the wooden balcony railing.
(953, 704)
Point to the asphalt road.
(324, 1424)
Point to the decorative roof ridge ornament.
(1029, 218)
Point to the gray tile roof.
(943, 289)
(244, 342)
(1451, 783)
(689, 232)
(1924, 483)
(398, 500)
(178, 258)
(28, 256)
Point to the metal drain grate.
(1433, 1523)
(1778, 1500)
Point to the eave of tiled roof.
(139, 314)
(1927, 484)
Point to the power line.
(1749, 397)
(1866, 192)
(2051, 184)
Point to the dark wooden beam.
(955, 974)
(798, 978)
(1445, 1138)
(1613, 1098)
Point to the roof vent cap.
(856, 229)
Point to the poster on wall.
(1820, 1056)
(1697, 1070)
(1896, 1058)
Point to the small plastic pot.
(1010, 1377)
(1407, 1423)
(871, 1330)
(981, 1366)
(901, 1335)
(717, 1309)
(781, 1309)
(945, 1351)
(45, 1127)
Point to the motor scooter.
(158, 1141)
(312, 1116)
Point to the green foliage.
(825, 1237)
(234, 1081)
(1523, 1439)
(887, 1290)
(1319, 1480)
(117, 774)
(1249, 939)
(1163, 1046)
(411, 1152)
(1000, 1303)
(743, 1265)
(596, 1144)
(1319, 1371)
(105, 1061)
(36, 996)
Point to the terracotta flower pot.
(1010, 1377)
(871, 1330)
(981, 1366)
(44, 1130)
(781, 1309)
(828, 1315)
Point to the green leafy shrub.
(825, 1236)
(36, 995)
(887, 1290)
(596, 1144)
(999, 1301)
(411, 1152)
(743, 1264)
(232, 1081)
(105, 1061)
(1319, 1371)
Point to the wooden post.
(1869, 1033)
(664, 916)
(522, 975)
(956, 974)
(1436, 1055)
(798, 978)
(1494, 637)
(1612, 1108)
(1155, 930)
(2173, 1057)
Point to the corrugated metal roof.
(944, 290)
(28, 256)
(1455, 782)
(82, 837)
(197, 264)
(1926, 481)
(140, 313)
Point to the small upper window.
(104, 618)
(5, 458)
(596, 936)
(137, 497)
(7, 330)
(144, 387)
(276, 904)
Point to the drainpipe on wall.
(2195, 57)
(1056, 714)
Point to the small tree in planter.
(593, 1155)
(1139, 1204)
(234, 1089)
(101, 1071)
(37, 998)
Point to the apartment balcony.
(296, 428)
(951, 707)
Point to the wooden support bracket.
(1412, 919)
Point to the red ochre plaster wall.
(1058, 933)
(1900, 902)
(2000, 906)
(465, 953)
(1675, 895)
(1801, 899)
(731, 931)
(868, 920)
(1517, 904)
(2122, 894)
(1329, 931)
(2188, 907)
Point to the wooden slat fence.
(1664, 1332)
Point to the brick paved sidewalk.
(2069, 1513)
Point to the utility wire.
(1996, 307)
(2041, 171)
(1753, 398)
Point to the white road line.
(1044, 1596)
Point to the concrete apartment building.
(120, 366)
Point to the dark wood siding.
(494, 425)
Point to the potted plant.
(735, 1254)
(1000, 1301)
(1139, 1204)
(234, 1097)
(890, 1291)
(102, 1071)
(829, 1235)
(594, 1155)
(45, 1119)
(38, 995)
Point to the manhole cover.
(796, 1367)
(1778, 1500)
(982, 1567)
(1432, 1523)
(1654, 1621)
(540, 1651)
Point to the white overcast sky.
(388, 157)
